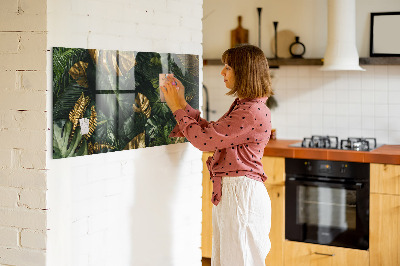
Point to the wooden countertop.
(389, 154)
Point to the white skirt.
(241, 223)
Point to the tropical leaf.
(66, 101)
(62, 146)
(63, 60)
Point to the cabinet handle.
(325, 254)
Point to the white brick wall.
(23, 132)
(136, 207)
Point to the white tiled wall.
(312, 102)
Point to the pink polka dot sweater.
(238, 139)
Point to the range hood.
(341, 51)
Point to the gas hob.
(332, 142)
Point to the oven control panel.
(338, 169)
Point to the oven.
(327, 202)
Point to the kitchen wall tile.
(368, 122)
(291, 71)
(278, 83)
(304, 108)
(342, 80)
(369, 70)
(380, 71)
(317, 121)
(292, 83)
(293, 120)
(331, 131)
(305, 95)
(329, 122)
(367, 110)
(394, 97)
(328, 74)
(355, 132)
(381, 110)
(303, 82)
(355, 122)
(278, 72)
(315, 72)
(342, 133)
(367, 82)
(329, 109)
(354, 80)
(317, 131)
(394, 110)
(367, 96)
(367, 133)
(355, 109)
(342, 122)
(342, 109)
(381, 123)
(304, 72)
(329, 93)
(394, 82)
(381, 84)
(355, 96)
(381, 97)
(394, 71)
(342, 96)
(317, 95)
(316, 82)
(394, 137)
(394, 123)
(317, 108)
(325, 97)
(381, 136)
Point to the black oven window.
(326, 207)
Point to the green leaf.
(62, 146)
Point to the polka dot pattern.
(238, 139)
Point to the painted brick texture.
(23, 218)
(123, 208)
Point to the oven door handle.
(357, 185)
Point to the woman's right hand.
(181, 91)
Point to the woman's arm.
(239, 127)
(174, 93)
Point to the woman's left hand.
(170, 90)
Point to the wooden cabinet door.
(305, 254)
(384, 236)
(385, 178)
(206, 232)
(277, 233)
(274, 168)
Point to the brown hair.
(250, 66)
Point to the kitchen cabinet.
(385, 214)
(385, 178)
(274, 168)
(206, 226)
(305, 254)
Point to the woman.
(242, 208)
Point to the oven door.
(327, 213)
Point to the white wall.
(23, 132)
(304, 18)
(136, 207)
(311, 102)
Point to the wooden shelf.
(380, 61)
(274, 63)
